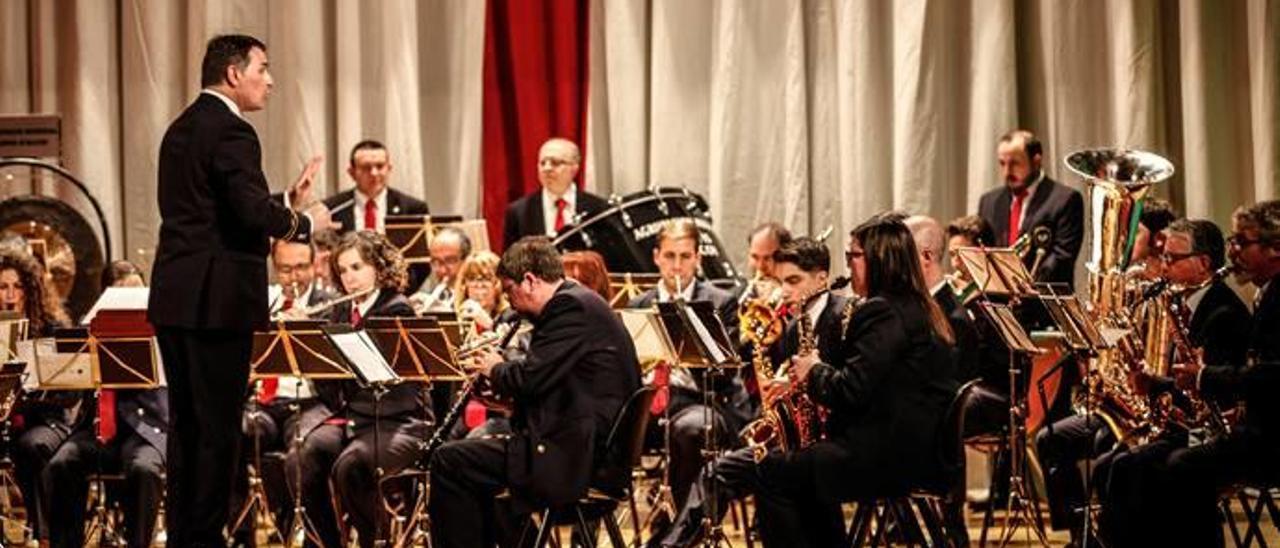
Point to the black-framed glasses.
(1239, 241)
(1170, 258)
(849, 256)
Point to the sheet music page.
(717, 353)
(119, 298)
(364, 356)
(650, 341)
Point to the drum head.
(626, 233)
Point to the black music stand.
(296, 348)
(412, 234)
(1000, 271)
(629, 285)
(418, 349)
(700, 341)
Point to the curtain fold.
(811, 112)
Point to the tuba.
(1118, 180)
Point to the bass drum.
(626, 233)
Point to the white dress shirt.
(549, 208)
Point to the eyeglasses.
(1170, 258)
(849, 256)
(445, 261)
(1239, 241)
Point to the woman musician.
(40, 422)
(885, 399)
(338, 435)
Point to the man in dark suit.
(1029, 199)
(131, 440)
(366, 206)
(209, 279)
(1192, 250)
(558, 203)
(885, 395)
(676, 254)
(1194, 477)
(579, 371)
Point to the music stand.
(13, 328)
(418, 349)
(1000, 271)
(411, 234)
(653, 343)
(626, 286)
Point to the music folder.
(362, 356)
(1006, 324)
(996, 271)
(417, 348)
(295, 348)
(697, 335)
(652, 343)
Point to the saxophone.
(1204, 412)
(789, 419)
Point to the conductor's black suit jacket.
(580, 368)
(217, 217)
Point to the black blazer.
(398, 203)
(145, 412)
(967, 350)
(524, 216)
(405, 403)
(216, 216)
(1217, 326)
(887, 398)
(735, 403)
(1258, 383)
(580, 368)
(1058, 207)
(828, 330)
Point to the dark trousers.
(208, 375)
(1060, 447)
(787, 510)
(31, 453)
(332, 455)
(1127, 480)
(466, 475)
(1192, 478)
(67, 484)
(688, 437)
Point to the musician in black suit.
(131, 441)
(580, 369)
(1030, 199)
(339, 431)
(1192, 478)
(1214, 317)
(210, 277)
(270, 406)
(885, 399)
(558, 203)
(676, 254)
(41, 420)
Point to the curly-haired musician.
(580, 368)
(339, 433)
(885, 400)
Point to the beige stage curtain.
(812, 112)
(823, 112)
(404, 72)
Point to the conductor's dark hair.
(223, 51)
(532, 255)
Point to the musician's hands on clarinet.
(483, 361)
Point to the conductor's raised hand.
(302, 190)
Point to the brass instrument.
(760, 312)
(1118, 180)
(965, 289)
(789, 420)
(308, 311)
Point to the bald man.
(559, 201)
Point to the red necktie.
(355, 315)
(371, 216)
(560, 205)
(662, 380)
(1015, 215)
(106, 415)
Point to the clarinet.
(451, 418)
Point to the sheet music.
(363, 354)
(119, 298)
(650, 340)
(717, 353)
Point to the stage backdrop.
(813, 112)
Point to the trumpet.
(308, 311)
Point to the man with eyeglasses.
(558, 203)
(1212, 314)
(1188, 483)
(449, 248)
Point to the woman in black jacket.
(339, 432)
